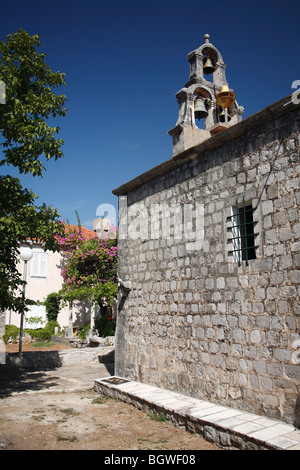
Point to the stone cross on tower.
(202, 99)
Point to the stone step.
(227, 427)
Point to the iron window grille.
(242, 232)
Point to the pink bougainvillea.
(90, 264)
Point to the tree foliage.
(26, 139)
(52, 304)
(20, 220)
(90, 273)
(30, 100)
(90, 270)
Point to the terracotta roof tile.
(86, 232)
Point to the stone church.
(209, 253)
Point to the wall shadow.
(28, 371)
(37, 360)
(297, 413)
(108, 358)
(110, 367)
(24, 380)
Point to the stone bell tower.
(205, 100)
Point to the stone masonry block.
(203, 323)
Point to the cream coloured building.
(43, 278)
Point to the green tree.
(90, 272)
(26, 140)
(20, 219)
(30, 100)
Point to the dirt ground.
(85, 421)
(14, 347)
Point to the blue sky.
(124, 61)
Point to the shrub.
(40, 334)
(51, 326)
(83, 331)
(43, 334)
(105, 325)
(11, 331)
(52, 304)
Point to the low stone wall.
(84, 343)
(52, 359)
(212, 432)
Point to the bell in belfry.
(222, 116)
(208, 66)
(200, 109)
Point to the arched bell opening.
(206, 105)
(210, 59)
(201, 105)
(221, 116)
(225, 99)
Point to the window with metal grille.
(242, 232)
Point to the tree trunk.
(2, 322)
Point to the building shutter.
(39, 265)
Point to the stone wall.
(195, 321)
(51, 359)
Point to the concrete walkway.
(227, 427)
(71, 378)
(54, 370)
